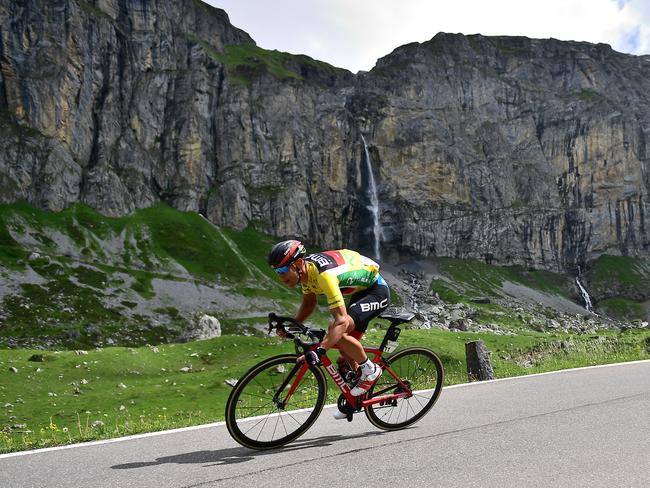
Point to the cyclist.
(334, 274)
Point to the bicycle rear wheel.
(421, 370)
(255, 416)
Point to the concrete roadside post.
(479, 365)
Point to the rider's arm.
(337, 328)
(330, 286)
(307, 306)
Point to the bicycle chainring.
(343, 405)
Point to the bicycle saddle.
(396, 317)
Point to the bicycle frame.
(357, 403)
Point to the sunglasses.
(283, 269)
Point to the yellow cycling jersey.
(338, 273)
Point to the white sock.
(367, 367)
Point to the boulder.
(206, 327)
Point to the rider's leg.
(362, 308)
(355, 334)
(350, 347)
(347, 360)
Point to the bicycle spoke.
(263, 425)
(408, 405)
(259, 422)
(283, 425)
(251, 414)
(399, 413)
(256, 395)
(293, 418)
(389, 413)
(277, 420)
(417, 400)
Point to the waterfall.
(371, 191)
(585, 295)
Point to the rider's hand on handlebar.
(311, 357)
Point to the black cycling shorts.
(366, 304)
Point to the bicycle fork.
(300, 369)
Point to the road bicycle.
(277, 400)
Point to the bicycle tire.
(423, 371)
(250, 406)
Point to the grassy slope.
(159, 233)
(472, 278)
(245, 62)
(618, 285)
(98, 269)
(622, 285)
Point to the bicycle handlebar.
(295, 329)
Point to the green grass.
(620, 284)
(59, 399)
(446, 291)
(590, 96)
(158, 234)
(472, 278)
(395, 299)
(162, 243)
(244, 62)
(12, 255)
(254, 246)
(188, 239)
(622, 309)
(620, 269)
(155, 387)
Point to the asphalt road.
(579, 428)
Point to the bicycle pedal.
(349, 417)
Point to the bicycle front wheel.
(419, 369)
(258, 414)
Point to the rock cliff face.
(508, 149)
(513, 149)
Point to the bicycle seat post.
(391, 336)
(389, 343)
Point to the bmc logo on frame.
(369, 307)
(335, 375)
